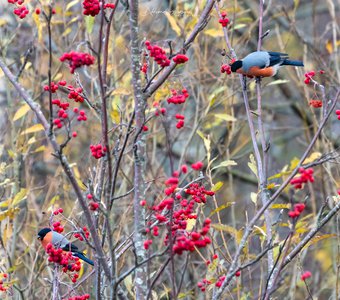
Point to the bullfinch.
(263, 64)
(47, 236)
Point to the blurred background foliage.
(32, 183)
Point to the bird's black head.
(236, 65)
(43, 232)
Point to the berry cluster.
(220, 280)
(91, 7)
(82, 297)
(77, 59)
(197, 165)
(180, 59)
(316, 103)
(224, 21)
(85, 233)
(158, 54)
(109, 5)
(147, 244)
(21, 11)
(180, 122)
(92, 204)
(178, 97)
(337, 112)
(65, 259)
(58, 211)
(306, 275)
(298, 209)
(144, 68)
(226, 69)
(159, 110)
(309, 76)
(305, 176)
(74, 93)
(57, 227)
(98, 151)
(53, 87)
(203, 284)
(2, 287)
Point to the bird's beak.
(38, 237)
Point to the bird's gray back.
(259, 58)
(59, 240)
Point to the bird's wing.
(70, 247)
(59, 240)
(260, 59)
(277, 58)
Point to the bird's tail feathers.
(83, 257)
(296, 63)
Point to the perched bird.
(47, 236)
(263, 63)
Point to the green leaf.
(89, 22)
(224, 164)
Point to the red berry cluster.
(21, 11)
(74, 93)
(54, 87)
(98, 151)
(159, 110)
(309, 76)
(77, 59)
(182, 211)
(178, 97)
(58, 211)
(57, 227)
(2, 287)
(180, 122)
(224, 21)
(92, 204)
(337, 112)
(306, 275)
(298, 209)
(91, 7)
(147, 244)
(65, 259)
(85, 233)
(305, 176)
(316, 103)
(109, 5)
(219, 282)
(180, 59)
(197, 165)
(226, 69)
(158, 54)
(82, 297)
(144, 68)
(203, 284)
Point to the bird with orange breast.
(47, 236)
(263, 64)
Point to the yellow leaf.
(226, 117)
(9, 213)
(217, 186)
(221, 208)
(173, 23)
(225, 164)
(206, 142)
(39, 149)
(39, 25)
(11, 153)
(21, 112)
(281, 206)
(81, 185)
(70, 4)
(89, 22)
(190, 224)
(278, 81)
(319, 238)
(259, 230)
(253, 197)
(252, 164)
(32, 129)
(222, 227)
(54, 199)
(3, 22)
(270, 186)
(293, 163)
(115, 116)
(21, 195)
(121, 91)
(67, 31)
(214, 32)
(314, 156)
